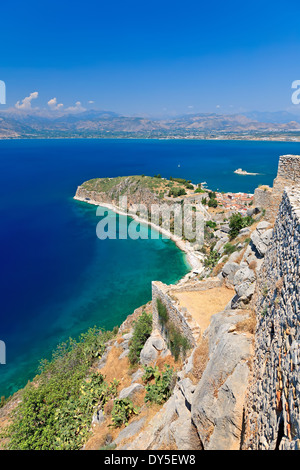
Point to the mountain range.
(16, 124)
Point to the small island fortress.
(239, 171)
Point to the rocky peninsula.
(147, 191)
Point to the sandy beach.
(193, 259)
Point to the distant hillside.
(276, 117)
(109, 124)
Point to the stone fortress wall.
(273, 412)
(178, 315)
(268, 199)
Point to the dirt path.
(203, 304)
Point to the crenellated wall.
(272, 417)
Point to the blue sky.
(153, 58)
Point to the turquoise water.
(57, 277)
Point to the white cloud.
(25, 104)
(91, 102)
(54, 105)
(78, 108)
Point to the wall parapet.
(288, 175)
(272, 417)
(178, 315)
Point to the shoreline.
(234, 138)
(195, 264)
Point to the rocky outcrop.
(242, 276)
(261, 237)
(218, 400)
(206, 415)
(154, 346)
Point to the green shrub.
(237, 222)
(162, 311)
(199, 189)
(178, 343)
(141, 332)
(229, 249)
(212, 260)
(176, 192)
(55, 411)
(212, 202)
(211, 224)
(161, 390)
(122, 411)
(150, 373)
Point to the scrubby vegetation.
(211, 224)
(56, 409)
(229, 248)
(160, 390)
(177, 343)
(186, 183)
(162, 311)
(212, 201)
(237, 222)
(122, 411)
(212, 259)
(141, 332)
(176, 192)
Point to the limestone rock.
(130, 391)
(131, 430)
(217, 404)
(229, 270)
(244, 275)
(154, 344)
(98, 417)
(261, 237)
(137, 375)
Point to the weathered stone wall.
(179, 316)
(289, 168)
(268, 199)
(263, 200)
(272, 417)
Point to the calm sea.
(57, 278)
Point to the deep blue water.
(57, 278)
